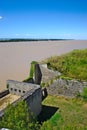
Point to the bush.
(19, 117)
(84, 93)
(42, 84)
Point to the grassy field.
(60, 113)
(73, 64)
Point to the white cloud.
(1, 17)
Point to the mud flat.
(15, 57)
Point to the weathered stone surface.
(38, 74)
(48, 74)
(30, 80)
(34, 99)
(4, 93)
(60, 86)
(32, 95)
(44, 93)
(20, 88)
(69, 88)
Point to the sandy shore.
(15, 58)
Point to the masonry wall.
(69, 88)
(32, 94)
(20, 88)
(48, 74)
(34, 99)
(4, 93)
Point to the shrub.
(19, 117)
(43, 84)
(84, 93)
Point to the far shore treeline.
(31, 39)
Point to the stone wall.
(32, 95)
(37, 74)
(34, 99)
(20, 88)
(4, 93)
(48, 74)
(69, 88)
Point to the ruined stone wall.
(4, 93)
(65, 87)
(20, 88)
(69, 88)
(31, 93)
(34, 98)
(37, 74)
(48, 74)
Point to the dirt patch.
(7, 99)
(85, 106)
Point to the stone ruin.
(32, 92)
(29, 92)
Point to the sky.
(66, 19)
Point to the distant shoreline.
(20, 40)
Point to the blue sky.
(43, 19)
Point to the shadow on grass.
(46, 113)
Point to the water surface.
(15, 58)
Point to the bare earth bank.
(15, 58)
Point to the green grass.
(84, 94)
(70, 115)
(32, 69)
(73, 64)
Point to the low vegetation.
(32, 69)
(58, 113)
(31, 74)
(83, 95)
(46, 84)
(69, 114)
(73, 64)
(19, 117)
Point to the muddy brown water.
(15, 57)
